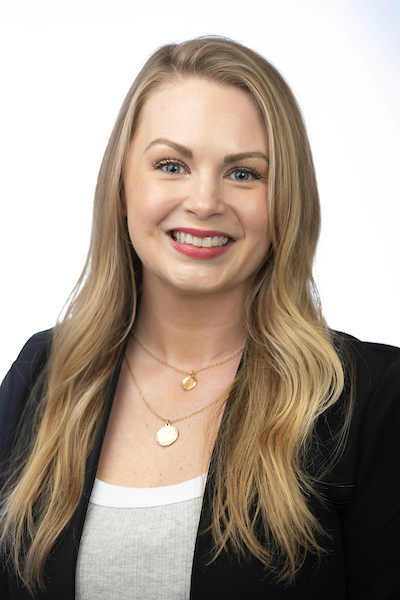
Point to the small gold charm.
(189, 382)
(167, 435)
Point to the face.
(195, 188)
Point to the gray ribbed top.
(138, 543)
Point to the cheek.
(258, 231)
(148, 202)
(146, 207)
(256, 221)
(139, 241)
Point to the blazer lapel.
(62, 564)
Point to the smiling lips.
(200, 242)
(204, 245)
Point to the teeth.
(206, 242)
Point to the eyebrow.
(178, 147)
(230, 158)
(241, 155)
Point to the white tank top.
(138, 543)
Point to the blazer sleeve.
(17, 386)
(15, 391)
(371, 520)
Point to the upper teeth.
(205, 242)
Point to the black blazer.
(361, 513)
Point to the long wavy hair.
(291, 373)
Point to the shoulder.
(377, 395)
(373, 443)
(375, 368)
(31, 359)
(371, 398)
(368, 472)
(371, 356)
(18, 384)
(34, 351)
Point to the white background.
(65, 69)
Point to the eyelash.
(248, 170)
(158, 164)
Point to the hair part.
(292, 372)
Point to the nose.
(204, 198)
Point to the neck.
(191, 330)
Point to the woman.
(194, 344)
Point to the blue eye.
(241, 175)
(244, 175)
(172, 168)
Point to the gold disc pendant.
(167, 435)
(189, 382)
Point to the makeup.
(200, 244)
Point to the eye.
(174, 169)
(243, 174)
(172, 166)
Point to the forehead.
(184, 106)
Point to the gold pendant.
(189, 382)
(167, 435)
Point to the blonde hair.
(291, 372)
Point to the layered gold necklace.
(168, 434)
(190, 381)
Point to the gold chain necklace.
(190, 381)
(168, 434)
